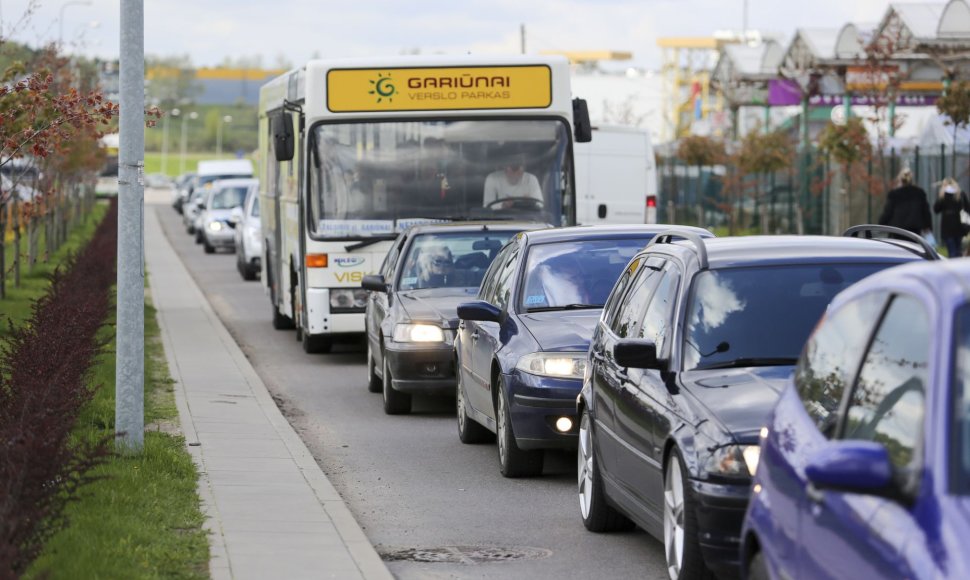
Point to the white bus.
(353, 151)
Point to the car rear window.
(960, 446)
(761, 315)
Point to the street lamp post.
(222, 120)
(172, 113)
(193, 115)
(60, 20)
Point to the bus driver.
(511, 182)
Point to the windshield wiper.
(749, 362)
(369, 242)
(563, 307)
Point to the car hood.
(435, 304)
(737, 399)
(218, 214)
(562, 329)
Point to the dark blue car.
(521, 347)
(865, 461)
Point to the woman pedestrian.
(948, 204)
(907, 207)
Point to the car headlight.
(734, 460)
(553, 364)
(215, 226)
(348, 298)
(406, 332)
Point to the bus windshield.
(377, 178)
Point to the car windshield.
(229, 197)
(453, 260)
(960, 469)
(575, 274)
(761, 316)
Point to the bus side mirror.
(582, 126)
(282, 127)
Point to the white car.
(248, 235)
(213, 221)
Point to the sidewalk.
(271, 511)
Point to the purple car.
(865, 461)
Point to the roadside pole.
(130, 349)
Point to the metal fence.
(813, 195)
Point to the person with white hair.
(907, 206)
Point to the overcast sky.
(208, 31)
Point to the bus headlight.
(554, 364)
(343, 298)
(404, 332)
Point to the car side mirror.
(637, 354)
(480, 311)
(374, 283)
(852, 466)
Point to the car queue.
(792, 409)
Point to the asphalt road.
(435, 508)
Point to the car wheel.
(514, 462)
(199, 236)
(469, 431)
(681, 547)
(598, 516)
(757, 569)
(248, 271)
(315, 344)
(209, 248)
(374, 382)
(395, 402)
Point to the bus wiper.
(749, 362)
(563, 307)
(369, 242)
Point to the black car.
(688, 359)
(411, 315)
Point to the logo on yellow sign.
(383, 88)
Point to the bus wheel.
(316, 344)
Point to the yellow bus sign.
(438, 89)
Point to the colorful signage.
(786, 93)
(438, 89)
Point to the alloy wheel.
(502, 429)
(584, 457)
(460, 403)
(674, 517)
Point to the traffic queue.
(715, 390)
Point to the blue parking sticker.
(537, 299)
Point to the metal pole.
(522, 37)
(130, 347)
(182, 148)
(219, 138)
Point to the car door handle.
(475, 335)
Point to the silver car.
(246, 229)
(213, 221)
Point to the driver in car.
(502, 186)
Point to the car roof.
(227, 166)
(593, 232)
(474, 226)
(235, 182)
(767, 250)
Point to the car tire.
(682, 549)
(757, 568)
(513, 462)
(469, 430)
(374, 382)
(316, 344)
(598, 515)
(248, 271)
(209, 248)
(395, 402)
(199, 236)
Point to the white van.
(616, 177)
(206, 173)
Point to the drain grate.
(469, 555)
